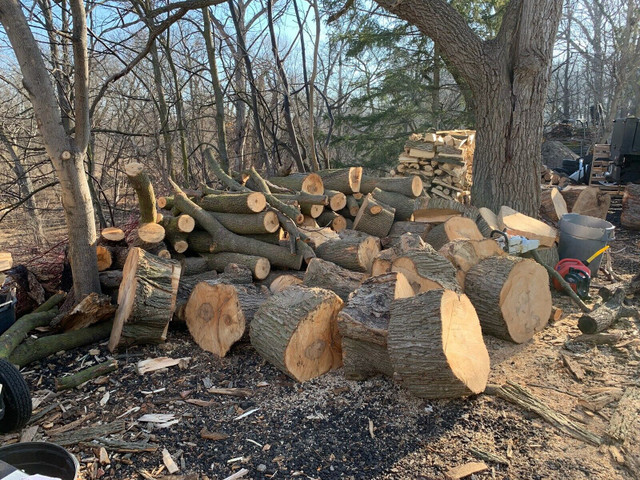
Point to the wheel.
(16, 398)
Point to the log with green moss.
(72, 381)
(17, 332)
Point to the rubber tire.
(16, 398)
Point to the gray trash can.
(581, 236)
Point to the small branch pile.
(443, 160)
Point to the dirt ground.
(331, 427)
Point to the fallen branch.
(606, 314)
(10, 339)
(71, 381)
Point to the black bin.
(41, 458)
(7, 311)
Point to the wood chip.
(573, 367)
(104, 456)
(371, 428)
(71, 425)
(200, 403)
(465, 470)
(153, 364)
(29, 434)
(168, 461)
(235, 392)
(215, 436)
(247, 413)
(157, 417)
(239, 474)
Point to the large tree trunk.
(508, 76)
(66, 154)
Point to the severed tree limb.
(602, 317)
(291, 212)
(565, 286)
(10, 339)
(71, 381)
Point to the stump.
(364, 323)
(296, 331)
(426, 270)
(436, 347)
(323, 274)
(456, 228)
(374, 218)
(630, 217)
(217, 314)
(552, 204)
(352, 252)
(511, 296)
(146, 300)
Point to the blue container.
(7, 311)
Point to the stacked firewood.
(443, 160)
(550, 177)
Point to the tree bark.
(456, 228)
(354, 252)
(259, 266)
(330, 276)
(374, 218)
(426, 270)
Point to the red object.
(575, 272)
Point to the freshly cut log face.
(354, 252)
(259, 266)
(146, 299)
(456, 228)
(518, 224)
(217, 313)
(511, 295)
(323, 274)
(104, 258)
(112, 234)
(253, 202)
(296, 331)
(284, 281)
(434, 215)
(312, 184)
(436, 346)
(426, 270)
(151, 233)
(464, 254)
(364, 323)
(308, 183)
(337, 200)
(331, 219)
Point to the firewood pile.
(443, 161)
(551, 177)
(318, 271)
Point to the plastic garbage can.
(581, 236)
(7, 311)
(41, 458)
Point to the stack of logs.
(550, 177)
(443, 160)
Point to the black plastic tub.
(7, 312)
(41, 458)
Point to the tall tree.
(508, 76)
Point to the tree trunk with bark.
(323, 274)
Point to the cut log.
(254, 202)
(405, 206)
(345, 180)
(606, 314)
(313, 211)
(296, 331)
(331, 219)
(6, 261)
(468, 211)
(17, 332)
(112, 234)
(249, 224)
(94, 308)
(464, 254)
(511, 296)
(217, 314)
(592, 202)
(337, 200)
(111, 280)
(330, 276)
(630, 217)
(150, 233)
(302, 198)
(353, 206)
(400, 228)
(111, 257)
(518, 224)
(140, 182)
(181, 224)
(189, 282)
(434, 215)
(285, 281)
(104, 258)
(301, 182)
(570, 195)
(456, 228)
(352, 252)
(549, 255)
(193, 266)
(426, 270)
(364, 324)
(408, 186)
(146, 300)
(374, 218)
(383, 262)
(552, 204)
(286, 213)
(436, 346)
(260, 266)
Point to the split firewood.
(285, 281)
(383, 262)
(149, 365)
(364, 324)
(71, 381)
(592, 202)
(330, 276)
(511, 296)
(217, 314)
(487, 221)
(374, 218)
(426, 270)
(296, 331)
(354, 252)
(436, 347)
(518, 224)
(464, 254)
(552, 204)
(409, 186)
(630, 217)
(456, 228)
(556, 314)
(602, 317)
(570, 195)
(405, 206)
(310, 183)
(345, 180)
(144, 313)
(331, 219)
(140, 182)
(259, 266)
(93, 308)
